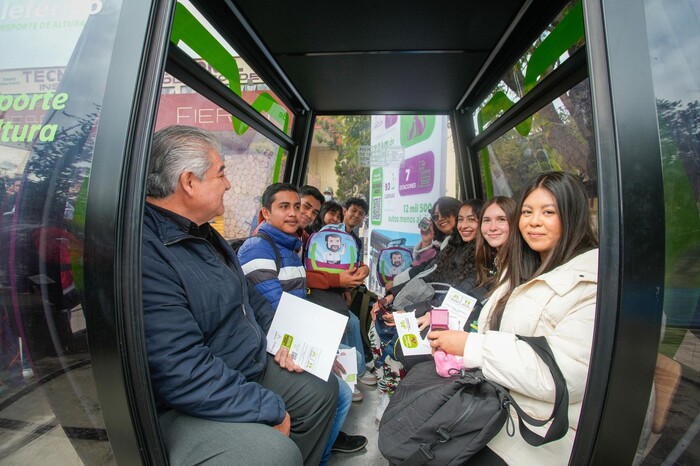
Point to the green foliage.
(679, 130)
(345, 134)
(552, 131)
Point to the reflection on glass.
(337, 139)
(671, 432)
(552, 48)
(560, 138)
(399, 163)
(52, 83)
(252, 160)
(197, 37)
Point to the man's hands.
(284, 359)
(286, 424)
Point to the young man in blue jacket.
(220, 396)
(273, 266)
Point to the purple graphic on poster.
(417, 174)
(389, 120)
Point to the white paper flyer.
(311, 332)
(348, 359)
(460, 306)
(409, 334)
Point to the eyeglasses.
(436, 216)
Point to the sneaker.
(381, 406)
(368, 378)
(348, 443)
(357, 395)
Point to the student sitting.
(311, 202)
(329, 289)
(331, 213)
(498, 214)
(547, 287)
(281, 210)
(428, 247)
(354, 214)
(258, 256)
(446, 266)
(217, 401)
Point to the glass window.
(252, 161)
(399, 164)
(559, 137)
(671, 433)
(52, 82)
(338, 156)
(198, 38)
(552, 48)
(351, 141)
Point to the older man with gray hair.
(221, 398)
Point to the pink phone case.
(439, 319)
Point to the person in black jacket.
(221, 398)
(454, 266)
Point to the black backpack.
(444, 421)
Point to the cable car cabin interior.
(398, 103)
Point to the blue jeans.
(344, 402)
(353, 338)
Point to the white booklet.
(460, 306)
(348, 359)
(311, 332)
(409, 334)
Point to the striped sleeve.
(257, 260)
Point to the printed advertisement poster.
(29, 80)
(407, 175)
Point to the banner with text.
(410, 177)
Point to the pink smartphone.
(439, 319)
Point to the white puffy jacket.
(559, 305)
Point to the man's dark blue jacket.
(205, 328)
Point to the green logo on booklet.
(409, 341)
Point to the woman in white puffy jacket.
(547, 288)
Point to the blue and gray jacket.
(258, 260)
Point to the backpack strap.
(278, 258)
(560, 413)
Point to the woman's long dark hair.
(486, 256)
(449, 206)
(456, 261)
(577, 236)
(328, 206)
